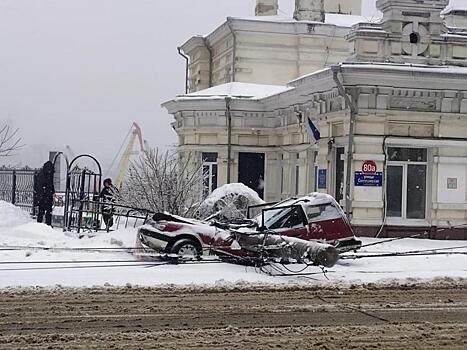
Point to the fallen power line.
(353, 257)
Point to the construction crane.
(129, 151)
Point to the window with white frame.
(406, 182)
(209, 172)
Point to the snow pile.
(11, 215)
(228, 202)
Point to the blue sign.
(322, 178)
(374, 180)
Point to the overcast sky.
(79, 72)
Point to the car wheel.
(186, 247)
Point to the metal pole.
(228, 100)
(187, 59)
(206, 43)
(66, 220)
(13, 188)
(353, 115)
(34, 193)
(81, 198)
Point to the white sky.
(79, 72)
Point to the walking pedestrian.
(45, 192)
(106, 197)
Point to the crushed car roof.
(314, 198)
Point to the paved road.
(425, 317)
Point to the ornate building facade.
(374, 113)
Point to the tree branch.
(9, 141)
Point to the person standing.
(106, 196)
(45, 192)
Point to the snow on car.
(307, 229)
(229, 202)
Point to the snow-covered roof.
(409, 67)
(348, 20)
(237, 90)
(455, 10)
(277, 18)
(390, 66)
(248, 91)
(330, 18)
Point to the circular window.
(414, 38)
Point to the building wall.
(265, 53)
(411, 32)
(385, 120)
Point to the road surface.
(295, 317)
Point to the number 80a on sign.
(369, 167)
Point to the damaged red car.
(312, 228)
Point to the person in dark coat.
(106, 196)
(45, 192)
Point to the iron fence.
(79, 208)
(17, 187)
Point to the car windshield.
(284, 217)
(323, 212)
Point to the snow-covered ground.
(25, 263)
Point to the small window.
(414, 38)
(209, 157)
(397, 154)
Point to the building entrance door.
(251, 171)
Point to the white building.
(392, 116)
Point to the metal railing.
(86, 215)
(17, 187)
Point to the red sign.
(369, 167)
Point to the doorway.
(251, 171)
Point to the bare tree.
(9, 141)
(163, 181)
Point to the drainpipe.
(336, 69)
(187, 59)
(210, 60)
(228, 101)
(234, 48)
